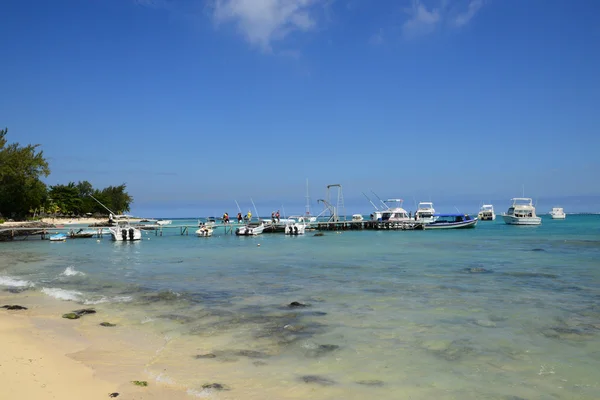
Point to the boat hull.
(204, 232)
(125, 234)
(452, 225)
(249, 230)
(511, 220)
(558, 216)
(59, 237)
(295, 229)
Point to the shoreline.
(62, 221)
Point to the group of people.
(275, 216)
(240, 218)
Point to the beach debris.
(140, 383)
(370, 382)
(14, 307)
(207, 355)
(319, 234)
(76, 314)
(297, 304)
(316, 379)
(215, 386)
(115, 394)
(107, 324)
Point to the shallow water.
(497, 312)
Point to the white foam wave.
(8, 281)
(71, 271)
(104, 299)
(62, 294)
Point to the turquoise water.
(496, 312)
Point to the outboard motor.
(295, 230)
(124, 234)
(131, 233)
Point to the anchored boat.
(521, 212)
(452, 221)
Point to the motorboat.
(251, 229)
(558, 213)
(452, 221)
(425, 212)
(357, 217)
(393, 213)
(123, 231)
(164, 222)
(486, 213)
(295, 229)
(205, 230)
(59, 237)
(521, 212)
(81, 234)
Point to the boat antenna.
(381, 201)
(457, 210)
(307, 199)
(107, 209)
(373, 204)
(238, 206)
(255, 210)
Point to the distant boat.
(452, 221)
(521, 212)
(80, 234)
(425, 212)
(486, 213)
(59, 237)
(295, 229)
(251, 229)
(164, 222)
(558, 213)
(205, 230)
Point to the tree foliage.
(22, 191)
(21, 168)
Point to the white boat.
(122, 231)
(295, 229)
(252, 229)
(521, 212)
(164, 222)
(425, 212)
(452, 221)
(486, 213)
(357, 217)
(59, 237)
(558, 213)
(205, 230)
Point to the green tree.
(20, 170)
(66, 197)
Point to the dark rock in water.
(251, 354)
(85, 311)
(208, 355)
(297, 304)
(477, 270)
(14, 307)
(71, 315)
(373, 382)
(538, 250)
(319, 234)
(107, 324)
(319, 380)
(215, 386)
(322, 349)
(115, 394)
(140, 383)
(259, 363)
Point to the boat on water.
(521, 212)
(451, 221)
(81, 234)
(295, 229)
(425, 212)
(204, 230)
(558, 213)
(251, 229)
(486, 213)
(59, 237)
(393, 213)
(123, 231)
(164, 222)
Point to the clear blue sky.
(197, 103)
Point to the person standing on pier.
(277, 216)
(240, 218)
(249, 216)
(273, 217)
(225, 218)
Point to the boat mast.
(107, 209)
(307, 199)
(255, 210)
(373, 204)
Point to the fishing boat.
(295, 229)
(59, 237)
(81, 234)
(251, 229)
(205, 230)
(425, 212)
(122, 230)
(521, 212)
(558, 213)
(451, 221)
(486, 213)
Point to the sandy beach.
(44, 356)
(64, 221)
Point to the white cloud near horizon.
(263, 22)
(424, 20)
